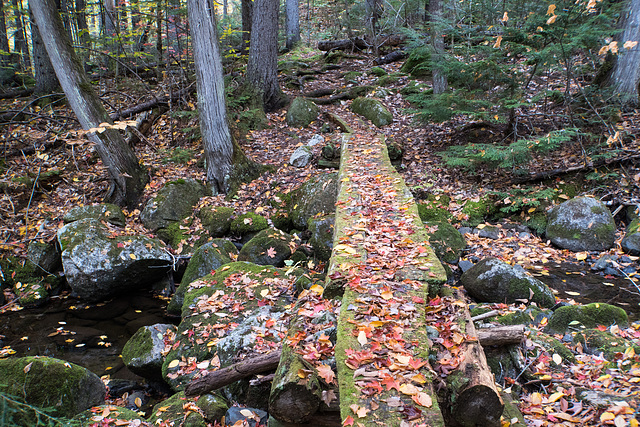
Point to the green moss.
(537, 223)
(377, 71)
(587, 316)
(387, 80)
(605, 342)
(172, 411)
(633, 227)
(446, 241)
(32, 294)
(140, 343)
(431, 212)
(117, 415)
(553, 345)
(477, 212)
(216, 219)
(248, 223)
(522, 317)
(352, 75)
(213, 406)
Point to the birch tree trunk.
(127, 175)
(262, 68)
(292, 22)
(626, 71)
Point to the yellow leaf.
(132, 256)
(264, 293)
(536, 398)
(573, 294)
(551, 9)
(505, 17)
(498, 41)
(555, 397)
(423, 399)
(581, 256)
(607, 416)
(173, 364)
(387, 295)
(629, 44)
(138, 402)
(552, 19)
(317, 289)
(408, 389)
(557, 358)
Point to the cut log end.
(295, 404)
(478, 406)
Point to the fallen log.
(501, 335)
(232, 373)
(148, 105)
(394, 56)
(344, 44)
(16, 94)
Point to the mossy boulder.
(631, 241)
(31, 294)
(553, 345)
(372, 109)
(386, 81)
(66, 389)
(446, 241)
(317, 196)
(173, 409)
(492, 280)
(302, 112)
(248, 225)
(174, 201)
(269, 247)
(103, 212)
(432, 212)
(418, 63)
(216, 219)
(208, 257)
(44, 256)
(477, 212)
(117, 417)
(98, 266)
(378, 71)
(213, 407)
(321, 239)
(531, 315)
(597, 341)
(352, 76)
(581, 224)
(587, 316)
(142, 354)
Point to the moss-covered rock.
(553, 345)
(248, 224)
(631, 241)
(372, 109)
(213, 406)
(477, 212)
(103, 212)
(418, 64)
(315, 197)
(588, 316)
(432, 212)
(64, 388)
(302, 112)
(44, 256)
(216, 219)
(142, 354)
(531, 315)
(492, 280)
(321, 239)
(597, 341)
(378, 71)
(208, 257)
(446, 241)
(172, 412)
(581, 224)
(352, 76)
(175, 201)
(117, 416)
(31, 294)
(386, 81)
(269, 247)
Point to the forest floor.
(48, 170)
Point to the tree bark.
(19, 37)
(247, 19)
(292, 22)
(437, 44)
(626, 71)
(84, 37)
(394, 56)
(501, 335)
(232, 373)
(262, 68)
(45, 75)
(127, 175)
(4, 39)
(345, 44)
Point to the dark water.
(571, 279)
(91, 336)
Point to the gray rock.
(631, 241)
(315, 140)
(102, 212)
(44, 256)
(174, 202)
(98, 267)
(372, 109)
(465, 230)
(446, 241)
(581, 224)
(301, 157)
(321, 239)
(236, 414)
(302, 112)
(45, 382)
(316, 196)
(269, 247)
(464, 265)
(603, 262)
(489, 232)
(492, 280)
(142, 354)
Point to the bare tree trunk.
(437, 43)
(372, 14)
(292, 22)
(4, 39)
(626, 71)
(262, 68)
(159, 36)
(128, 176)
(45, 75)
(110, 28)
(247, 19)
(20, 37)
(84, 37)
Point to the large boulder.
(216, 219)
(269, 247)
(447, 242)
(44, 256)
(631, 241)
(302, 112)
(492, 280)
(173, 202)
(248, 225)
(103, 212)
(301, 157)
(372, 109)
(207, 258)
(321, 239)
(588, 316)
(581, 224)
(142, 354)
(316, 196)
(64, 388)
(98, 266)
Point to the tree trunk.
(292, 23)
(128, 176)
(4, 39)
(19, 37)
(247, 19)
(83, 30)
(626, 71)
(262, 68)
(45, 75)
(110, 29)
(437, 44)
(372, 15)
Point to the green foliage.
(515, 154)
(177, 155)
(14, 413)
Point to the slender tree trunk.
(292, 22)
(45, 75)
(437, 44)
(159, 37)
(128, 176)
(4, 39)
(110, 29)
(20, 37)
(247, 19)
(626, 71)
(262, 68)
(372, 14)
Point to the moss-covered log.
(384, 264)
